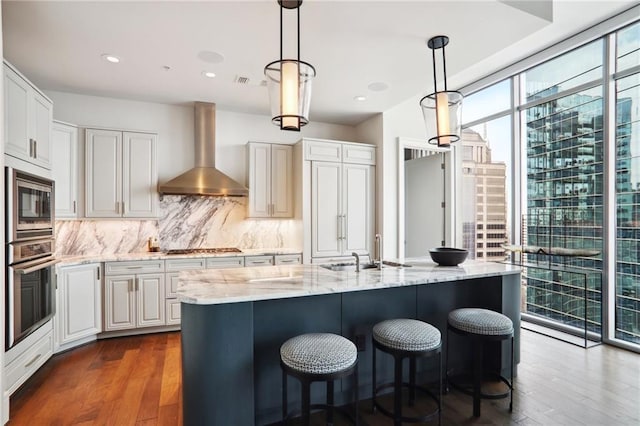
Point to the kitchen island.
(234, 321)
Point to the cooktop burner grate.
(214, 250)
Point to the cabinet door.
(151, 300)
(64, 168)
(16, 115)
(173, 311)
(120, 307)
(140, 175)
(281, 180)
(79, 298)
(104, 173)
(259, 179)
(358, 183)
(41, 127)
(327, 222)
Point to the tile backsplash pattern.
(184, 222)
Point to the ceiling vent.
(249, 81)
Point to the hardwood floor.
(136, 381)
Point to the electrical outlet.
(361, 342)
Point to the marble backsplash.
(184, 222)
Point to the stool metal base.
(305, 380)
(398, 384)
(478, 374)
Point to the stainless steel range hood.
(204, 178)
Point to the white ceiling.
(58, 45)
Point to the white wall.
(403, 120)
(174, 125)
(371, 131)
(4, 405)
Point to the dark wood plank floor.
(136, 381)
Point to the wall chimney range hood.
(204, 178)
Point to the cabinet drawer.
(225, 262)
(177, 265)
(288, 259)
(134, 267)
(365, 154)
(173, 311)
(322, 151)
(258, 261)
(21, 368)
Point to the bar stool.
(406, 338)
(481, 326)
(318, 357)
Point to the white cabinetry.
(134, 294)
(79, 312)
(64, 168)
(173, 268)
(342, 197)
(121, 174)
(270, 180)
(28, 115)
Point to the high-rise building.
(484, 213)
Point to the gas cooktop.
(214, 250)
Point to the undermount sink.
(348, 266)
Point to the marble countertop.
(218, 286)
(119, 257)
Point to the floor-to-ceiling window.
(487, 174)
(565, 118)
(627, 184)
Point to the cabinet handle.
(258, 262)
(135, 267)
(31, 148)
(27, 365)
(137, 281)
(122, 204)
(287, 260)
(339, 227)
(345, 227)
(117, 207)
(98, 273)
(35, 148)
(74, 206)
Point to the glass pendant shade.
(442, 112)
(289, 84)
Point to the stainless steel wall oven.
(30, 292)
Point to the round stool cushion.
(480, 321)
(318, 353)
(407, 335)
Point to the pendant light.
(289, 81)
(441, 109)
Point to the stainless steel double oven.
(30, 292)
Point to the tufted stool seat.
(480, 321)
(316, 357)
(406, 338)
(481, 326)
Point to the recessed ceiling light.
(378, 86)
(210, 57)
(110, 58)
(360, 98)
(209, 74)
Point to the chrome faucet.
(354, 254)
(379, 248)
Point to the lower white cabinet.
(134, 300)
(79, 311)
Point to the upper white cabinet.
(121, 174)
(270, 180)
(64, 168)
(79, 313)
(338, 197)
(28, 116)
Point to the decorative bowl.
(448, 256)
